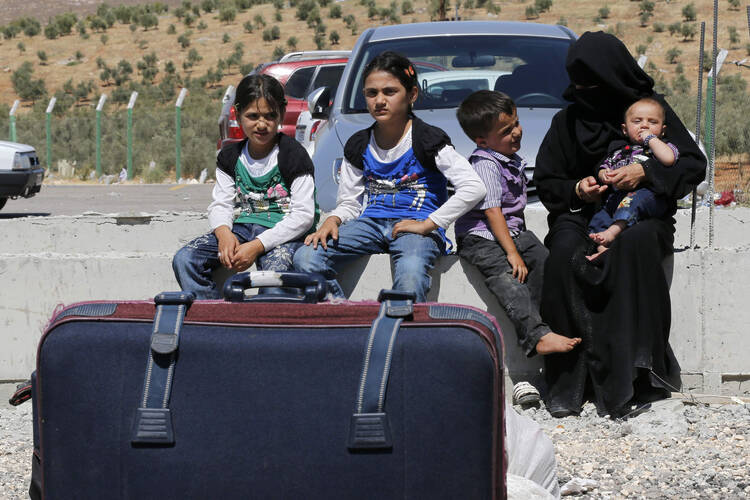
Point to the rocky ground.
(678, 448)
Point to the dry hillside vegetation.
(212, 45)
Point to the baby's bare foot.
(597, 237)
(552, 342)
(600, 250)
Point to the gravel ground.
(676, 449)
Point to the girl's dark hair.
(254, 87)
(395, 64)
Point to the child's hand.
(423, 227)
(520, 271)
(228, 245)
(246, 255)
(603, 176)
(329, 229)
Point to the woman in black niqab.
(619, 304)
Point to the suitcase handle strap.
(369, 424)
(153, 422)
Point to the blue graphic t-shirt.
(402, 189)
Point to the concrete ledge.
(48, 261)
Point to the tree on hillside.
(334, 37)
(292, 43)
(673, 55)
(42, 55)
(688, 31)
(688, 12)
(148, 21)
(25, 86)
(227, 14)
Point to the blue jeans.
(628, 206)
(193, 264)
(413, 255)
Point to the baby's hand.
(603, 176)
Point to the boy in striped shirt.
(493, 236)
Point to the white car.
(452, 87)
(307, 128)
(20, 172)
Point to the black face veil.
(609, 80)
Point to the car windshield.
(531, 70)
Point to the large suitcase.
(263, 398)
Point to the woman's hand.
(423, 227)
(329, 229)
(628, 177)
(246, 255)
(589, 190)
(228, 245)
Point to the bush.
(267, 37)
(734, 37)
(688, 12)
(184, 40)
(21, 47)
(42, 55)
(531, 12)
(542, 5)
(227, 14)
(277, 16)
(292, 43)
(248, 27)
(673, 55)
(208, 6)
(171, 30)
(688, 31)
(643, 18)
(275, 33)
(278, 52)
(562, 21)
(335, 12)
(104, 39)
(259, 21)
(408, 8)
(604, 12)
(25, 86)
(658, 27)
(226, 38)
(202, 26)
(334, 37)
(30, 26)
(675, 29)
(640, 49)
(51, 31)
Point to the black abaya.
(619, 305)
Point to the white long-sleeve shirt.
(292, 226)
(470, 189)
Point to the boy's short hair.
(478, 112)
(649, 100)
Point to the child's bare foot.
(600, 250)
(552, 342)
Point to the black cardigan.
(293, 159)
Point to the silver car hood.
(534, 121)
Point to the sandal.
(22, 394)
(525, 394)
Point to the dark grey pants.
(520, 300)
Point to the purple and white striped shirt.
(505, 181)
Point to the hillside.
(75, 57)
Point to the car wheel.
(2, 202)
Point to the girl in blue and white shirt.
(402, 165)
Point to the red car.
(299, 73)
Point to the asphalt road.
(113, 198)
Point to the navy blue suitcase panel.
(263, 410)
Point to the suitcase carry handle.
(277, 287)
(368, 427)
